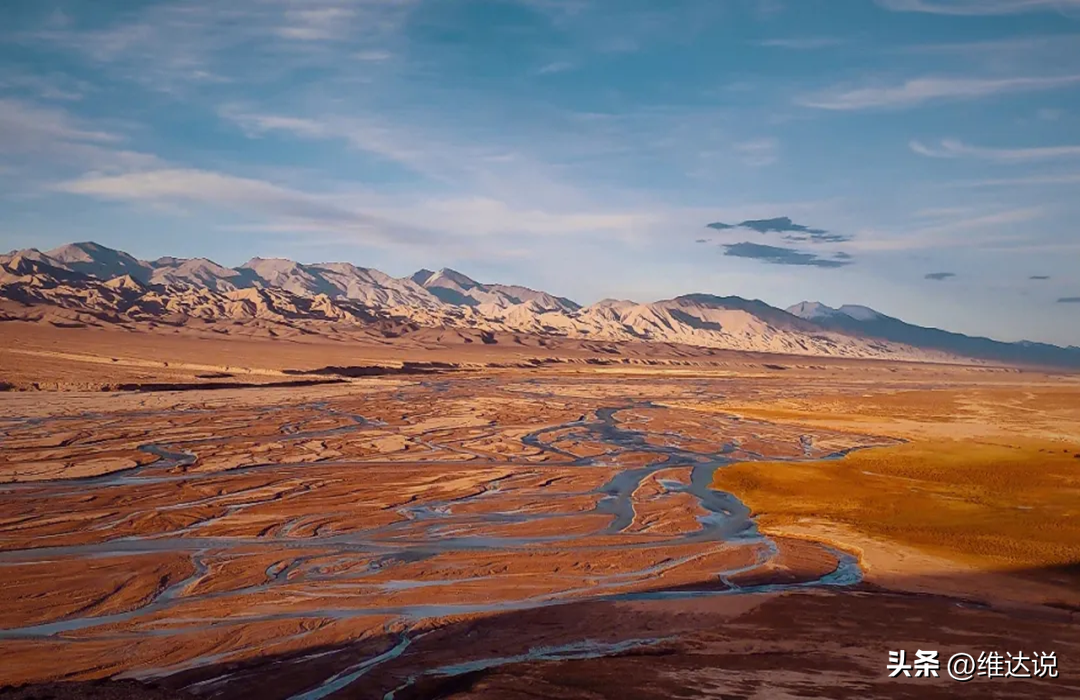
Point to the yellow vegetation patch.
(1046, 413)
(1005, 505)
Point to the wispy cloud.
(1040, 278)
(397, 143)
(980, 229)
(449, 159)
(24, 124)
(1026, 181)
(951, 148)
(358, 216)
(554, 67)
(980, 7)
(808, 43)
(32, 130)
(298, 210)
(165, 45)
(758, 152)
(922, 90)
(474, 217)
(1069, 300)
(373, 55)
(939, 276)
(1042, 46)
(53, 87)
(317, 23)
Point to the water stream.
(727, 522)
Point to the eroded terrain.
(492, 532)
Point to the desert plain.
(197, 516)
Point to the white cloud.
(993, 227)
(357, 215)
(437, 161)
(802, 44)
(758, 152)
(483, 216)
(951, 148)
(980, 7)
(291, 208)
(1039, 45)
(166, 45)
(31, 130)
(373, 55)
(52, 87)
(554, 67)
(1039, 180)
(451, 161)
(317, 24)
(24, 124)
(921, 90)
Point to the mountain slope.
(738, 324)
(452, 287)
(863, 321)
(98, 261)
(338, 280)
(197, 272)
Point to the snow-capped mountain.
(816, 311)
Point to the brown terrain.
(200, 515)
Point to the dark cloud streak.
(779, 256)
(940, 276)
(783, 224)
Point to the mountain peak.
(102, 262)
(125, 282)
(816, 311)
(859, 313)
(273, 262)
(462, 281)
(811, 310)
(421, 276)
(88, 247)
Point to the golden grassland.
(1007, 506)
(987, 477)
(1049, 411)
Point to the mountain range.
(91, 284)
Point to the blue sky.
(579, 146)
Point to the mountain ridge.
(95, 282)
(863, 320)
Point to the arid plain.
(227, 517)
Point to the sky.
(921, 157)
